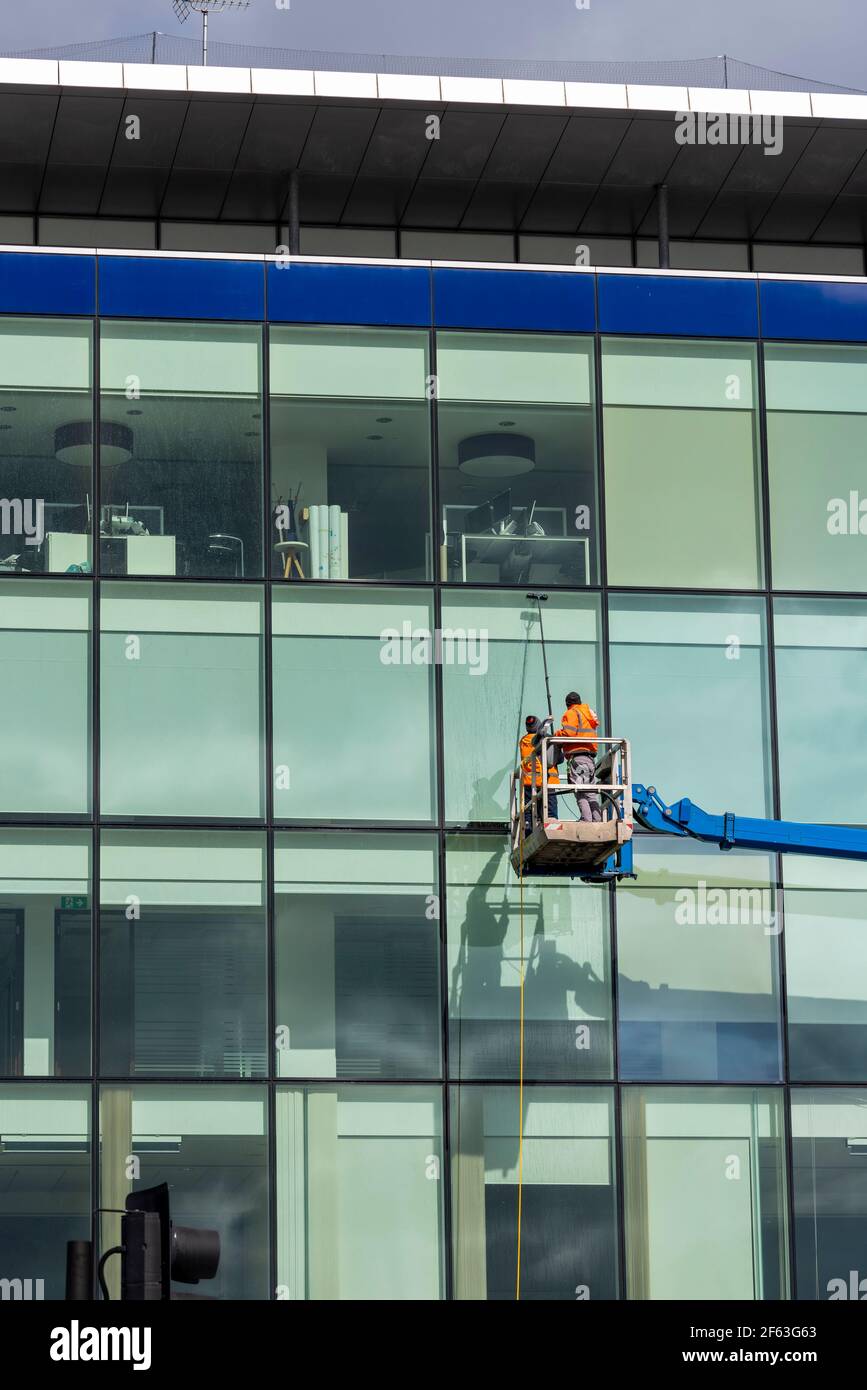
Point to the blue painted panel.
(388, 294)
(148, 287)
(556, 302)
(35, 283)
(811, 310)
(684, 306)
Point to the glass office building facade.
(268, 532)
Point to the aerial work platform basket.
(594, 850)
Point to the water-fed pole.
(539, 599)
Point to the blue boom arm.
(744, 832)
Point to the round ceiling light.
(496, 455)
(73, 443)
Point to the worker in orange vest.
(579, 722)
(531, 771)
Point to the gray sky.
(822, 39)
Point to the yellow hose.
(520, 1056)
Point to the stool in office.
(289, 551)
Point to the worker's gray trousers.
(582, 769)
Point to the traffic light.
(154, 1251)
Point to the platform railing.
(614, 796)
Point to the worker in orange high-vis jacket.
(531, 771)
(579, 722)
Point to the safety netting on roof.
(155, 47)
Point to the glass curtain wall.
(389, 925)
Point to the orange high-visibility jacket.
(577, 720)
(531, 764)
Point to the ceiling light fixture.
(496, 455)
(73, 443)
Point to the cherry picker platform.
(601, 851)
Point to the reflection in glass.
(698, 972)
(517, 458)
(359, 1192)
(826, 961)
(485, 701)
(357, 956)
(350, 453)
(705, 1190)
(182, 954)
(567, 990)
(568, 1219)
(181, 455)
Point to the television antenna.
(182, 9)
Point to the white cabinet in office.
(150, 555)
(65, 548)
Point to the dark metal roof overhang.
(560, 167)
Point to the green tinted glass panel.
(698, 969)
(569, 1246)
(358, 959)
(817, 465)
(182, 954)
(705, 1194)
(353, 705)
(689, 689)
(821, 660)
(497, 678)
(181, 701)
(45, 763)
(359, 1193)
(681, 464)
(566, 969)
